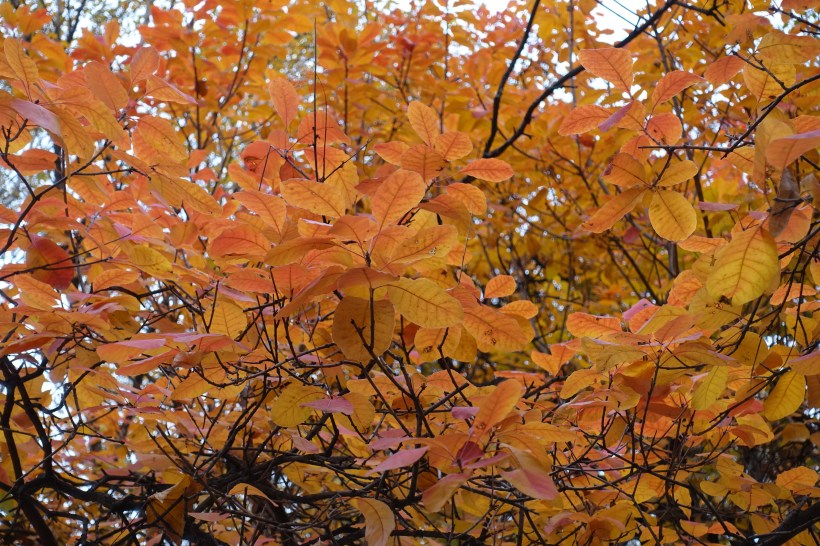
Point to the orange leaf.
(431, 243)
(144, 63)
(724, 69)
(499, 287)
(397, 194)
(271, 209)
(673, 83)
(240, 240)
(453, 145)
(665, 128)
(612, 64)
(50, 263)
(583, 119)
(496, 331)
(285, 99)
(391, 151)
(437, 495)
(613, 210)
(586, 325)
(31, 161)
(470, 196)
(782, 152)
(521, 308)
(21, 65)
(105, 85)
(424, 121)
(491, 170)
(625, 171)
(363, 328)
(162, 141)
(423, 160)
(379, 522)
(495, 407)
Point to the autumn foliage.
(303, 273)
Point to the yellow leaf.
(287, 409)
(491, 170)
(777, 47)
(425, 303)
(745, 267)
(379, 522)
(495, 407)
(363, 328)
(710, 388)
(318, 198)
(612, 64)
(582, 119)
(397, 194)
(672, 216)
(786, 397)
(499, 287)
(764, 85)
(148, 260)
(424, 121)
(678, 172)
(613, 210)
(226, 317)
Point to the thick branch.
(797, 522)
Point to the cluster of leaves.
(303, 274)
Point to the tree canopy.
(302, 273)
